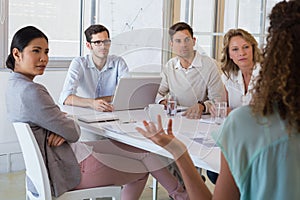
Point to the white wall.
(10, 156)
(142, 49)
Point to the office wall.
(10, 157)
(142, 49)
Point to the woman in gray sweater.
(71, 164)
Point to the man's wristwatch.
(203, 104)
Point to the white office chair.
(36, 170)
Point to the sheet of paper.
(122, 127)
(208, 120)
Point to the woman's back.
(263, 158)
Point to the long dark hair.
(279, 82)
(20, 40)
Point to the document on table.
(207, 120)
(206, 141)
(122, 128)
(127, 129)
(99, 117)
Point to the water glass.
(221, 111)
(155, 109)
(171, 105)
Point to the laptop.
(136, 92)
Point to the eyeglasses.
(98, 42)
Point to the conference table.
(194, 133)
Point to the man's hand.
(99, 104)
(212, 110)
(55, 140)
(164, 102)
(194, 112)
(102, 105)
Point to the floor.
(12, 187)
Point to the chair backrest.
(34, 163)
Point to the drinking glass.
(221, 111)
(171, 105)
(155, 109)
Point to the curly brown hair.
(227, 65)
(278, 86)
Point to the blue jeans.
(212, 176)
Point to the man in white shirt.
(193, 78)
(91, 80)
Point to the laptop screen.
(136, 92)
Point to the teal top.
(264, 160)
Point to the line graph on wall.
(136, 29)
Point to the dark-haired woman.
(71, 164)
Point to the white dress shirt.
(237, 96)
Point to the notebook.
(99, 117)
(182, 108)
(136, 92)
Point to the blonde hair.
(227, 65)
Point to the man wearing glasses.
(193, 78)
(91, 80)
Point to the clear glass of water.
(171, 105)
(221, 111)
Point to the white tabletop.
(196, 134)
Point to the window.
(138, 28)
(134, 29)
(59, 20)
(212, 19)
